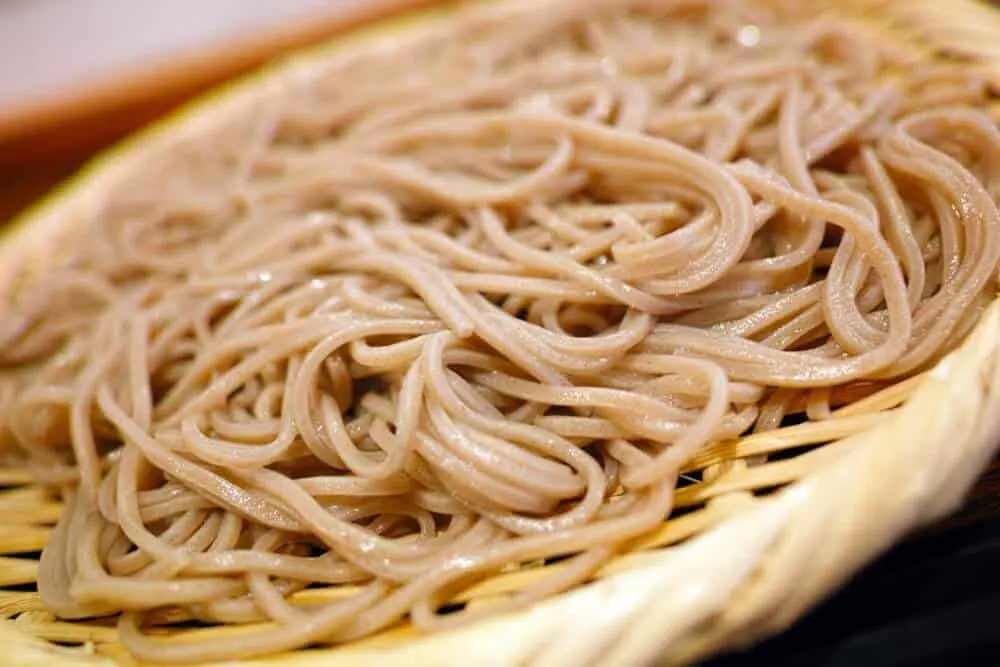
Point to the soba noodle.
(456, 304)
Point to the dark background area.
(933, 600)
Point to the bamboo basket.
(756, 545)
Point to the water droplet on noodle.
(539, 102)
(319, 218)
(748, 36)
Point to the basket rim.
(749, 576)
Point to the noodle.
(472, 301)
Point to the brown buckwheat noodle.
(470, 300)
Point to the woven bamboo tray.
(751, 548)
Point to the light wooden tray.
(755, 546)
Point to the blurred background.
(51, 44)
(75, 75)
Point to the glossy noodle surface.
(470, 301)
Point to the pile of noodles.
(471, 300)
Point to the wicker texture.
(741, 560)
